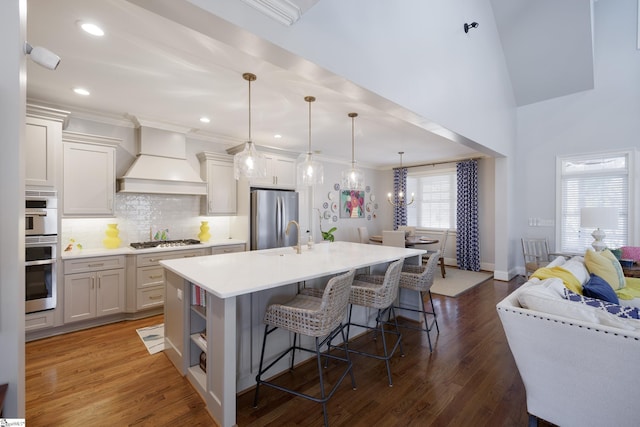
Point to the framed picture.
(352, 204)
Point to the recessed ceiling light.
(277, 136)
(92, 29)
(81, 91)
(205, 119)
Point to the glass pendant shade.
(353, 178)
(249, 163)
(309, 172)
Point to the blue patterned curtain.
(467, 246)
(400, 209)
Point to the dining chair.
(443, 245)
(409, 230)
(393, 238)
(363, 234)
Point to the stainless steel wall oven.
(40, 273)
(41, 213)
(41, 243)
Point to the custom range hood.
(161, 166)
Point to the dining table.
(409, 240)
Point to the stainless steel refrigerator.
(271, 211)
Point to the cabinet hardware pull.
(154, 259)
(189, 256)
(93, 283)
(157, 276)
(156, 297)
(101, 264)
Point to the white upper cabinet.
(89, 174)
(281, 173)
(217, 170)
(43, 136)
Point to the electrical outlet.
(179, 294)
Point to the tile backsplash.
(141, 216)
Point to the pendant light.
(352, 178)
(249, 163)
(400, 196)
(310, 172)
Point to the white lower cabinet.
(93, 287)
(147, 277)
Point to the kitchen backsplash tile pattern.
(141, 216)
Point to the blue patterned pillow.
(615, 309)
(597, 287)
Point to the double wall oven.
(41, 242)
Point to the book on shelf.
(198, 296)
(202, 338)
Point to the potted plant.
(326, 235)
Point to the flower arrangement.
(326, 235)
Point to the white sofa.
(580, 365)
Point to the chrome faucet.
(298, 247)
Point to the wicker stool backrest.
(389, 289)
(423, 281)
(335, 300)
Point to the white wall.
(12, 124)
(414, 53)
(605, 118)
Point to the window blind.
(588, 181)
(435, 199)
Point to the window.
(435, 198)
(592, 180)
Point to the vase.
(204, 235)
(111, 241)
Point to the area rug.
(457, 281)
(152, 337)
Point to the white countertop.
(128, 250)
(240, 273)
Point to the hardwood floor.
(105, 377)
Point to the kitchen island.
(237, 288)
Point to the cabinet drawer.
(39, 320)
(226, 249)
(93, 264)
(150, 276)
(149, 297)
(155, 258)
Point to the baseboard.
(92, 323)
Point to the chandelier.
(400, 196)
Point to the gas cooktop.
(164, 243)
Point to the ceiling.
(156, 70)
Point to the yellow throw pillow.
(605, 265)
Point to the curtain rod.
(443, 163)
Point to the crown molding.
(286, 12)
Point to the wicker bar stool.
(420, 278)
(378, 292)
(315, 317)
